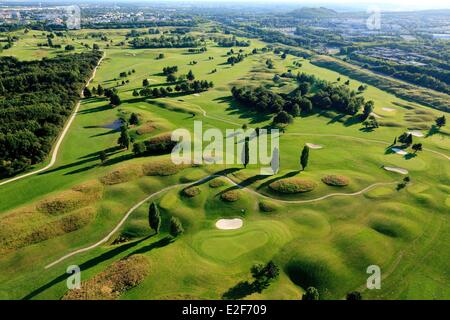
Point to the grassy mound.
(147, 127)
(115, 280)
(396, 227)
(320, 266)
(336, 180)
(268, 206)
(231, 195)
(162, 168)
(217, 183)
(67, 201)
(121, 175)
(23, 228)
(293, 185)
(191, 192)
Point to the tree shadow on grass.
(87, 265)
(410, 156)
(433, 130)
(287, 175)
(239, 291)
(96, 109)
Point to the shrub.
(191, 192)
(115, 280)
(216, 183)
(230, 196)
(335, 180)
(293, 185)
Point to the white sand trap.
(314, 146)
(375, 115)
(229, 224)
(388, 109)
(399, 151)
(196, 94)
(395, 169)
(416, 134)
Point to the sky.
(386, 5)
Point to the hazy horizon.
(404, 5)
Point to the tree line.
(166, 42)
(36, 98)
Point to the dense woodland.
(326, 96)
(36, 98)
(166, 42)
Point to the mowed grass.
(328, 244)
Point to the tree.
(304, 157)
(282, 117)
(95, 47)
(306, 105)
(263, 275)
(405, 138)
(176, 228)
(134, 119)
(395, 141)
(124, 138)
(440, 122)
(190, 75)
(87, 93)
(246, 155)
(311, 293)
(139, 148)
(69, 47)
(145, 83)
(368, 108)
(417, 147)
(171, 78)
(154, 218)
(115, 99)
(103, 156)
(354, 295)
(100, 90)
(304, 88)
(135, 93)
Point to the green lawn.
(327, 244)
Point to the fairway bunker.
(388, 109)
(229, 224)
(399, 151)
(314, 146)
(416, 134)
(396, 169)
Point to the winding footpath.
(204, 113)
(61, 137)
(137, 205)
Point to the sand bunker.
(396, 169)
(375, 115)
(229, 224)
(388, 109)
(314, 146)
(399, 151)
(416, 134)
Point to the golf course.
(364, 198)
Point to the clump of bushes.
(230, 196)
(161, 144)
(217, 183)
(336, 180)
(293, 185)
(191, 192)
(115, 280)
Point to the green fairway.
(326, 237)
